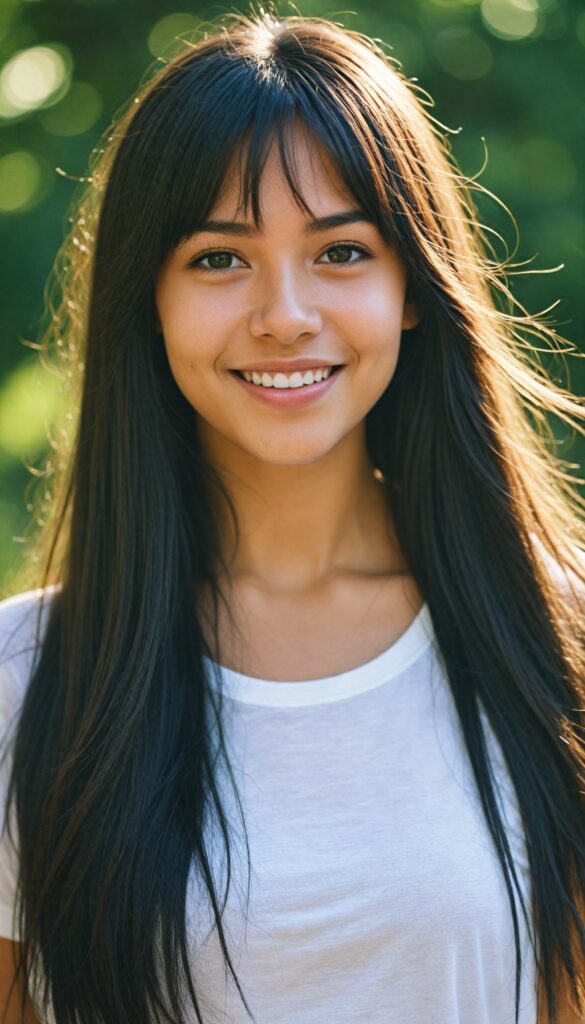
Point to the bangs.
(210, 149)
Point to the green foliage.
(506, 77)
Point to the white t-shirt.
(376, 895)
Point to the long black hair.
(114, 769)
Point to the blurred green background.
(510, 72)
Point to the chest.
(372, 868)
(314, 635)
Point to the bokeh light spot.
(29, 403)
(162, 38)
(33, 78)
(21, 179)
(462, 52)
(510, 19)
(78, 111)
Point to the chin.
(290, 458)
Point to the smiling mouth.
(286, 382)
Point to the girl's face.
(229, 299)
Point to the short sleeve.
(18, 621)
(8, 850)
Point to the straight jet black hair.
(120, 739)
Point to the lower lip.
(288, 397)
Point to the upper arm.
(11, 1006)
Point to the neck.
(301, 526)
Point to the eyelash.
(196, 262)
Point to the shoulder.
(23, 620)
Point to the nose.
(284, 307)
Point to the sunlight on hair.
(406, 43)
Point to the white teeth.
(296, 380)
(282, 380)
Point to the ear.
(410, 315)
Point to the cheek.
(192, 367)
(193, 343)
(373, 306)
(192, 330)
(373, 328)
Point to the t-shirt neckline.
(292, 693)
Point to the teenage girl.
(293, 712)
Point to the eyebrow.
(334, 220)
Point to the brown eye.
(221, 258)
(341, 249)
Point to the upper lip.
(287, 365)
